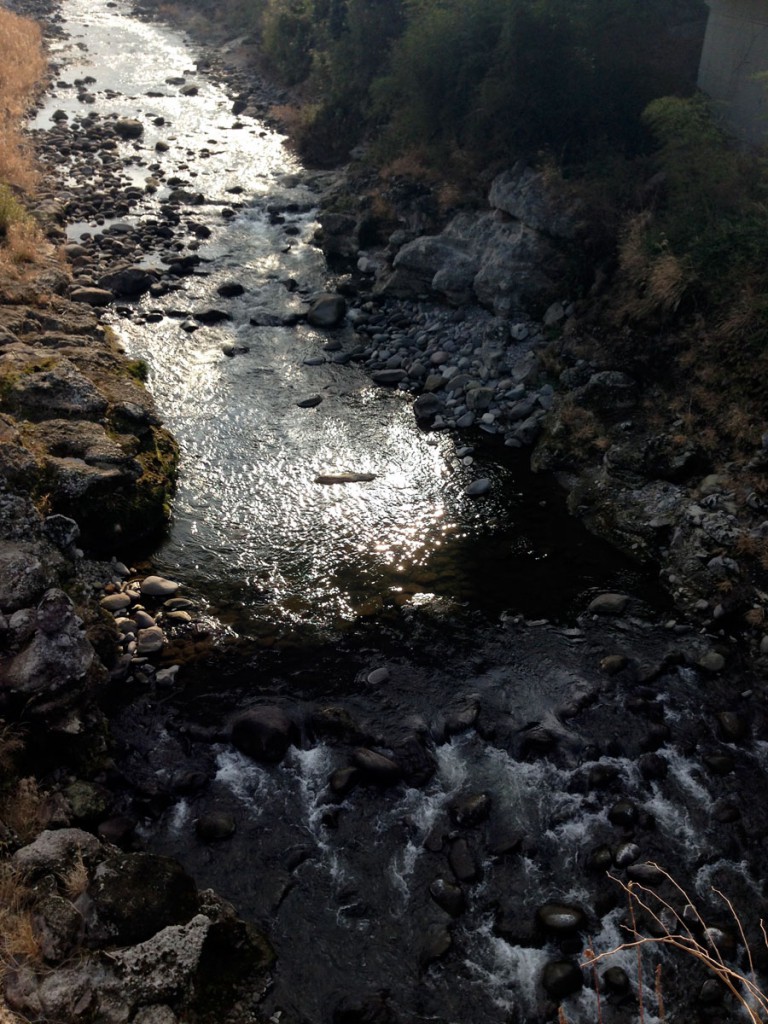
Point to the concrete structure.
(735, 53)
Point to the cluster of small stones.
(471, 369)
(145, 611)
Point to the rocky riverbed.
(419, 809)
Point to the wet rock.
(215, 826)
(375, 767)
(462, 861)
(720, 764)
(342, 781)
(118, 831)
(132, 896)
(478, 488)
(327, 310)
(612, 664)
(115, 602)
(561, 917)
(230, 289)
(711, 993)
(158, 586)
(426, 406)
(653, 767)
(437, 943)
(448, 897)
(264, 733)
(128, 281)
(468, 810)
(616, 979)
(561, 978)
(329, 479)
(623, 813)
(211, 317)
(388, 377)
(711, 662)
(309, 403)
(374, 1010)
(733, 727)
(625, 854)
(129, 128)
(600, 859)
(609, 604)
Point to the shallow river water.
(404, 574)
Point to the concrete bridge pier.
(735, 53)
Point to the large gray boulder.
(57, 657)
(264, 733)
(529, 197)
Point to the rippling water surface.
(252, 530)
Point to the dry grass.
(11, 744)
(656, 280)
(18, 941)
(24, 809)
(680, 926)
(22, 69)
(75, 879)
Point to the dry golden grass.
(18, 941)
(23, 247)
(75, 879)
(22, 70)
(24, 809)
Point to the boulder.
(132, 896)
(61, 390)
(92, 296)
(58, 655)
(57, 850)
(609, 604)
(562, 978)
(375, 767)
(470, 809)
(128, 281)
(264, 733)
(448, 896)
(58, 927)
(129, 128)
(26, 569)
(327, 310)
(527, 195)
(561, 917)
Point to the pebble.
(159, 586)
(150, 640)
(143, 619)
(478, 488)
(378, 675)
(115, 602)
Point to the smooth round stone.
(379, 675)
(150, 640)
(159, 586)
(178, 618)
(609, 604)
(561, 917)
(214, 827)
(625, 854)
(712, 662)
(143, 619)
(126, 625)
(623, 813)
(562, 978)
(115, 602)
(448, 897)
(478, 488)
(616, 979)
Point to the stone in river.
(448, 897)
(231, 350)
(426, 406)
(150, 640)
(115, 602)
(378, 675)
(616, 979)
(344, 478)
(327, 310)
(562, 978)
(230, 289)
(310, 402)
(609, 604)
(561, 917)
(159, 586)
(388, 376)
(462, 862)
(376, 767)
(478, 488)
(129, 128)
(215, 826)
(470, 809)
(264, 733)
(623, 813)
(93, 296)
(209, 317)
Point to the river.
(397, 613)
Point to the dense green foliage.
(480, 80)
